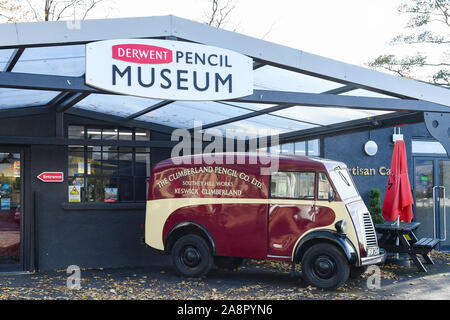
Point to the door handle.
(444, 212)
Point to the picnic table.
(413, 246)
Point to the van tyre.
(325, 266)
(191, 256)
(227, 263)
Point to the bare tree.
(219, 12)
(48, 10)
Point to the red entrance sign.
(51, 177)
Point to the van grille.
(369, 230)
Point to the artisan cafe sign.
(168, 70)
(357, 171)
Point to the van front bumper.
(374, 259)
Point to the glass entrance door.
(10, 210)
(443, 203)
(424, 183)
(432, 198)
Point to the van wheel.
(324, 266)
(228, 263)
(192, 256)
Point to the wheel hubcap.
(191, 257)
(324, 267)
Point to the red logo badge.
(141, 53)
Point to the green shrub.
(375, 208)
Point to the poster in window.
(111, 194)
(81, 168)
(16, 169)
(74, 194)
(5, 203)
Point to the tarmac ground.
(254, 280)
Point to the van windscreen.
(343, 183)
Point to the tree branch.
(220, 11)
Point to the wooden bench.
(423, 247)
(427, 244)
(390, 234)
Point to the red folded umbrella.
(398, 199)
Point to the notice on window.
(111, 194)
(74, 193)
(5, 203)
(16, 169)
(81, 168)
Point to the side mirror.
(331, 196)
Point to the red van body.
(241, 213)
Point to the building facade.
(77, 143)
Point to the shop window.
(287, 148)
(313, 148)
(303, 148)
(427, 147)
(108, 173)
(289, 184)
(300, 148)
(126, 135)
(142, 135)
(94, 134)
(76, 132)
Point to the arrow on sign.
(51, 176)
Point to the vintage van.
(306, 211)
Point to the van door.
(291, 210)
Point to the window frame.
(307, 148)
(134, 147)
(314, 198)
(330, 182)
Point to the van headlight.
(340, 226)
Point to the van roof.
(264, 159)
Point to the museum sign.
(168, 70)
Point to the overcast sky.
(354, 31)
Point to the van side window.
(324, 187)
(290, 184)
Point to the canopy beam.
(340, 101)
(76, 84)
(377, 122)
(13, 59)
(272, 109)
(70, 101)
(149, 109)
(120, 120)
(340, 90)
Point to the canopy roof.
(296, 94)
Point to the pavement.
(255, 280)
